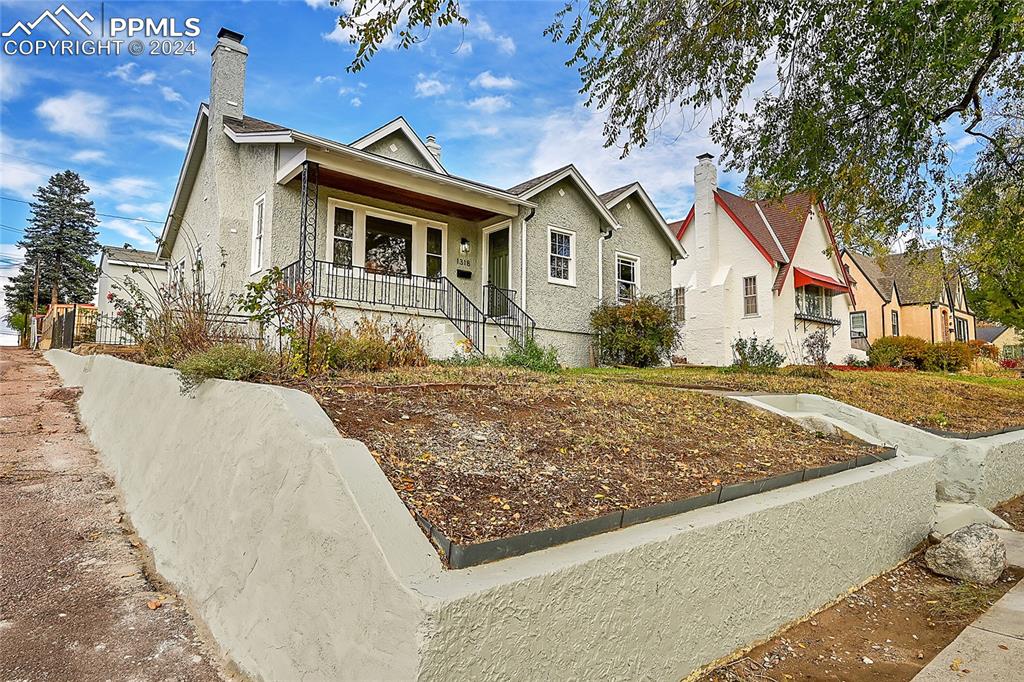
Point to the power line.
(105, 215)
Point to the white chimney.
(227, 76)
(433, 147)
(705, 214)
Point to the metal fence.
(79, 325)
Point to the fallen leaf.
(154, 604)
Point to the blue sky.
(496, 95)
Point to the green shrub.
(530, 355)
(639, 334)
(227, 361)
(898, 351)
(951, 356)
(751, 354)
(372, 345)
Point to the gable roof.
(989, 334)
(533, 186)
(613, 198)
(754, 217)
(919, 277)
(400, 125)
(128, 255)
(881, 282)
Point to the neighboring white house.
(380, 225)
(769, 269)
(119, 264)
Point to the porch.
(385, 246)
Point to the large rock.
(973, 553)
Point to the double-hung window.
(750, 295)
(895, 323)
(435, 252)
(625, 279)
(859, 325)
(961, 327)
(679, 305)
(344, 233)
(256, 259)
(561, 256)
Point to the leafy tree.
(864, 95)
(61, 236)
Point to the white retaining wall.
(983, 471)
(302, 560)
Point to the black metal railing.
(820, 319)
(76, 326)
(502, 309)
(362, 285)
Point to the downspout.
(931, 319)
(522, 257)
(883, 318)
(600, 263)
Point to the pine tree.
(61, 236)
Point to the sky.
(496, 94)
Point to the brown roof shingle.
(248, 124)
(525, 186)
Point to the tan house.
(907, 294)
(1008, 340)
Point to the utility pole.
(35, 291)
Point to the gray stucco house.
(379, 224)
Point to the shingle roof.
(248, 124)
(989, 334)
(877, 278)
(746, 211)
(919, 276)
(132, 255)
(612, 193)
(525, 186)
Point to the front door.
(497, 271)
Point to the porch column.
(307, 223)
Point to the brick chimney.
(227, 76)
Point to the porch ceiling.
(378, 190)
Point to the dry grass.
(962, 403)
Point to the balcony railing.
(820, 319)
(503, 310)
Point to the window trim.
(258, 231)
(678, 310)
(335, 238)
(635, 260)
(571, 281)
(859, 314)
(957, 322)
(745, 296)
(894, 322)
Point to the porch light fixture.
(463, 245)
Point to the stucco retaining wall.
(984, 471)
(304, 563)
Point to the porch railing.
(419, 292)
(503, 310)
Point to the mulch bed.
(887, 630)
(536, 452)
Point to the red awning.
(803, 277)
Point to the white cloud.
(430, 87)
(481, 28)
(12, 79)
(78, 114)
(324, 79)
(11, 254)
(152, 209)
(124, 186)
(318, 4)
(489, 81)
(464, 49)
(962, 143)
(171, 95)
(490, 104)
(169, 140)
(22, 178)
(356, 102)
(89, 156)
(126, 72)
(131, 230)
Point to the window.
(750, 295)
(679, 305)
(858, 325)
(895, 323)
(344, 233)
(814, 301)
(388, 246)
(561, 262)
(625, 279)
(962, 328)
(435, 255)
(257, 235)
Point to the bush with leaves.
(371, 345)
(641, 333)
(950, 356)
(816, 347)
(751, 354)
(898, 351)
(530, 355)
(226, 361)
(983, 349)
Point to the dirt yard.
(76, 600)
(1012, 511)
(888, 630)
(963, 403)
(516, 453)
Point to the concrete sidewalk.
(992, 647)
